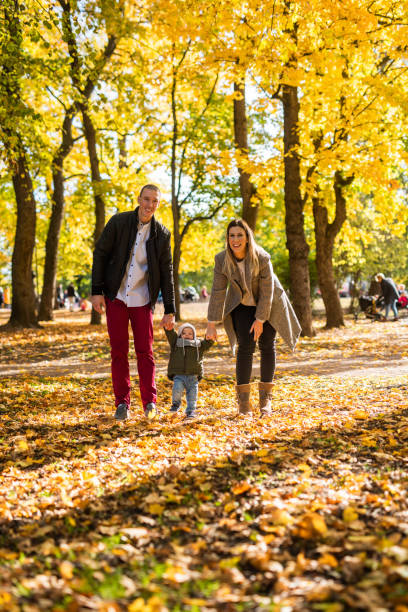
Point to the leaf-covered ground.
(306, 510)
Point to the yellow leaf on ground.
(22, 445)
(66, 569)
(154, 604)
(177, 574)
(349, 514)
(360, 414)
(312, 525)
(156, 509)
(328, 559)
(241, 487)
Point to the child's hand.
(167, 321)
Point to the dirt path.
(362, 350)
(348, 368)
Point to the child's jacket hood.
(183, 341)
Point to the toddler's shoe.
(174, 408)
(190, 414)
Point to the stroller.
(370, 306)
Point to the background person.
(71, 297)
(390, 293)
(248, 298)
(6, 297)
(132, 263)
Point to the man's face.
(148, 202)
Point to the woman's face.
(237, 241)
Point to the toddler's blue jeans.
(190, 384)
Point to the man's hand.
(211, 332)
(257, 328)
(168, 321)
(98, 302)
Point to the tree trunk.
(295, 233)
(85, 93)
(354, 292)
(57, 214)
(122, 152)
(325, 234)
(247, 188)
(175, 208)
(176, 275)
(90, 136)
(23, 306)
(324, 265)
(23, 310)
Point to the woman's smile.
(237, 240)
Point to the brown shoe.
(243, 393)
(265, 398)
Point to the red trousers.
(118, 316)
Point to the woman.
(250, 301)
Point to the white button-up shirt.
(134, 289)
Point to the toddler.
(185, 367)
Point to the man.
(132, 263)
(390, 293)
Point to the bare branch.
(48, 88)
(194, 126)
(201, 218)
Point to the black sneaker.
(191, 414)
(122, 412)
(150, 411)
(174, 408)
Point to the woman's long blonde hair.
(230, 262)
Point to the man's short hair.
(151, 187)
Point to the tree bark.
(324, 265)
(23, 307)
(57, 214)
(247, 188)
(176, 275)
(122, 152)
(294, 221)
(90, 136)
(354, 292)
(325, 234)
(85, 92)
(175, 208)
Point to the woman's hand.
(211, 332)
(257, 328)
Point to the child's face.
(187, 333)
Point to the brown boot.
(243, 392)
(265, 398)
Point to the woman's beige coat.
(272, 303)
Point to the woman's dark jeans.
(242, 319)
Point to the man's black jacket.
(389, 290)
(112, 252)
